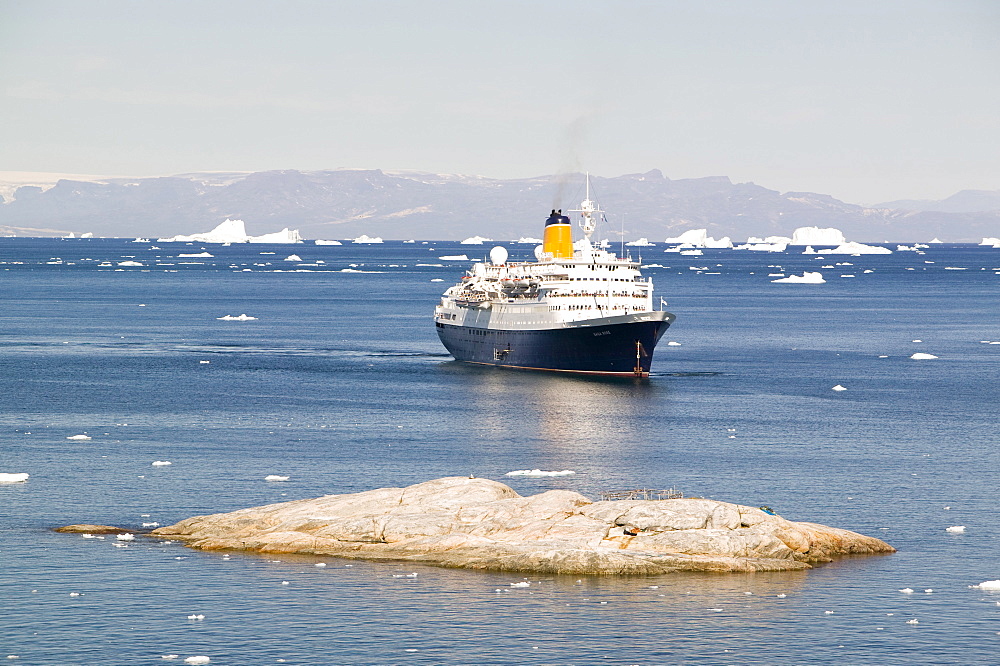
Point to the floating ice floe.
(907, 590)
(293, 257)
(198, 659)
(150, 524)
(169, 656)
(130, 263)
(921, 356)
(242, 317)
(992, 585)
(409, 575)
(125, 537)
(328, 242)
(673, 343)
(437, 280)
(699, 238)
(858, 248)
(275, 477)
(807, 277)
(913, 621)
(523, 583)
(79, 437)
(206, 255)
(196, 617)
(476, 240)
(527, 240)
(641, 242)
(838, 387)
(762, 247)
(454, 257)
(161, 463)
(538, 472)
(365, 239)
(817, 236)
(13, 477)
(955, 529)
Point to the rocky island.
(482, 524)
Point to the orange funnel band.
(558, 240)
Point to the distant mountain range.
(401, 205)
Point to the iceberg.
(538, 473)
(527, 240)
(242, 317)
(699, 238)
(13, 477)
(293, 257)
(476, 240)
(817, 236)
(365, 239)
(921, 356)
(206, 255)
(130, 263)
(955, 529)
(453, 257)
(234, 231)
(696, 237)
(80, 437)
(807, 277)
(275, 477)
(328, 242)
(858, 248)
(761, 246)
(642, 242)
(993, 241)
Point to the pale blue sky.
(866, 101)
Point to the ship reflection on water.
(566, 412)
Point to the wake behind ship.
(578, 308)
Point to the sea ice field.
(139, 387)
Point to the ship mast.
(590, 210)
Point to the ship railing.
(642, 494)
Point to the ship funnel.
(558, 240)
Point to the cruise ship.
(578, 308)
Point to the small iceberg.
(198, 659)
(293, 257)
(275, 477)
(921, 356)
(523, 583)
(988, 241)
(858, 248)
(454, 257)
(328, 242)
(817, 236)
(205, 255)
(234, 231)
(365, 239)
(992, 585)
(955, 529)
(527, 240)
(642, 242)
(838, 387)
(13, 477)
(539, 473)
(125, 537)
(130, 263)
(161, 463)
(242, 317)
(807, 277)
(79, 437)
(476, 240)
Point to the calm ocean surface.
(341, 384)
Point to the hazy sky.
(867, 101)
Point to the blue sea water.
(341, 384)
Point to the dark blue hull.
(613, 345)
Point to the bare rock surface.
(483, 524)
(91, 529)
